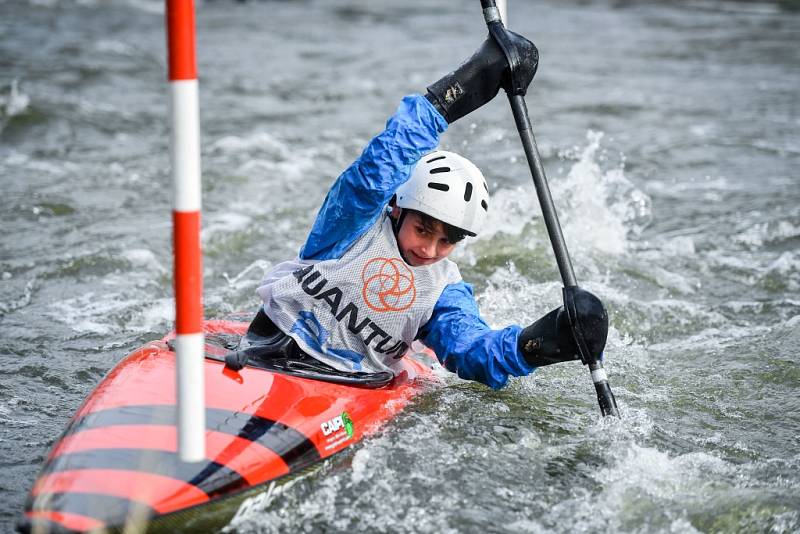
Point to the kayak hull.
(116, 464)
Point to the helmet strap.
(398, 223)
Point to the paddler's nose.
(429, 248)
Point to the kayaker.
(374, 274)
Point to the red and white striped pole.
(185, 159)
(502, 6)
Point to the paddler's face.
(421, 244)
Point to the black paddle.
(523, 61)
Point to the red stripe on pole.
(188, 272)
(180, 40)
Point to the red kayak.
(116, 464)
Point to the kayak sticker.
(338, 430)
(348, 424)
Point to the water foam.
(122, 301)
(245, 278)
(260, 142)
(603, 208)
(90, 312)
(224, 223)
(600, 210)
(16, 103)
(642, 486)
(13, 304)
(112, 46)
(765, 233)
(143, 258)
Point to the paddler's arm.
(361, 192)
(464, 343)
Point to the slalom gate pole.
(185, 162)
(502, 8)
(492, 16)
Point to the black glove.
(550, 339)
(479, 78)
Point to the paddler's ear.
(397, 215)
(395, 211)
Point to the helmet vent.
(439, 170)
(437, 158)
(468, 192)
(484, 205)
(438, 186)
(485, 186)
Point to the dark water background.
(670, 133)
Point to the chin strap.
(396, 225)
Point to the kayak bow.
(116, 465)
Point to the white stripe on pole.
(189, 349)
(502, 6)
(599, 375)
(185, 146)
(185, 159)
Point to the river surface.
(671, 137)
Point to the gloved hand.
(551, 339)
(478, 79)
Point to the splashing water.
(602, 208)
(691, 239)
(16, 102)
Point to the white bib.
(359, 312)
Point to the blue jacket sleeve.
(357, 197)
(466, 345)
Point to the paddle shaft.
(605, 397)
(520, 110)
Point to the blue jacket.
(461, 339)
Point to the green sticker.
(348, 424)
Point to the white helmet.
(448, 187)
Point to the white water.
(668, 134)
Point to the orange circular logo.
(388, 285)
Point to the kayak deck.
(116, 464)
